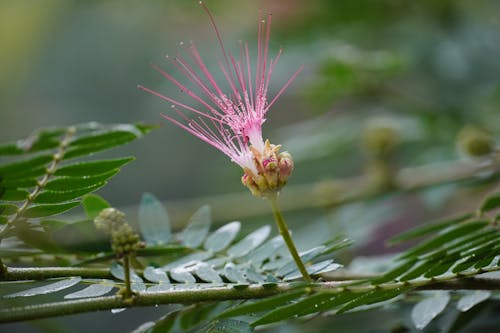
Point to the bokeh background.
(424, 69)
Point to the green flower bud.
(475, 142)
(108, 219)
(124, 239)
(380, 139)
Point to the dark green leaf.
(48, 210)
(419, 270)
(14, 195)
(19, 182)
(311, 304)
(447, 235)
(491, 203)
(72, 183)
(103, 140)
(165, 323)
(21, 167)
(262, 305)
(428, 228)
(93, 204)
(10, 149)
(40, 140)
(49, 197)
(46, 289)
(7, 209)
(92, 168)
(395, 272)
(372, 297)
(153, 220)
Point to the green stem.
(283, 229)
(223, 293)
(41, 273)
(126, 267)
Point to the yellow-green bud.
(475, 142)
(380, 139)
(124, 239)
(108, 219)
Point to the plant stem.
(126, 268)
(213, 294)
(283, 229)
(41, 273)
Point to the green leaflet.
(65, 183)
(13, 195)
(48, 210)
(447, 235)
(262, 305)
(52, 197)
(93, 168)
(93, 204)
(428, 228)
(20, 168)
(490, 203)
(40, 140)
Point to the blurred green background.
(425, 69)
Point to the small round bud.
(475, 142)
(124, 239)
(380, 138)
(108, 219)
(285, 166)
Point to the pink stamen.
(232, 121)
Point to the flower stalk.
(285, 233)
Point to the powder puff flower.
(232, 120)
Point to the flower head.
(231, 120)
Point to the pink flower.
(232, 120)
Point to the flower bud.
(124, 239)
(475, 142)
(285, 166)
(108, 219)
(380, 138)
(273, 169)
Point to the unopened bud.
(380, 138)
(124, 239)
(285, 166)
(108, 219)
(273, 170)
(475, 142)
